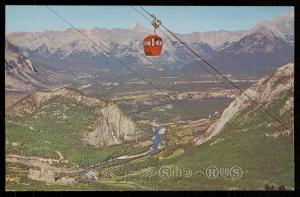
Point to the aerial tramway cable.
(195, 60)
(260, 107)
(106, 51)
(218, 72)
(101, 46)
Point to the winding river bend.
(88, 171)
(154, 148)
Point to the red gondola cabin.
(153, 45)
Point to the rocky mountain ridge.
(265, 92)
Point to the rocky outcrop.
(24, 75)
(18, 68)
(111, 127)
(15, 60)
(264, 92)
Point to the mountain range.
(83, 132)
(255, 51)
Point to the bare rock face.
(265, 91)
(16, 60)
(18, 68)
(111, 127)
(22, 75)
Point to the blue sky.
(180, 19)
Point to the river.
(154, 149)
(156, 139)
